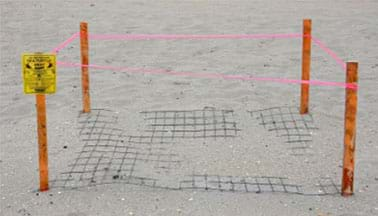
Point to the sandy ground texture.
(174, 145)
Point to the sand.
(158, 144)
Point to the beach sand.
(162, 144)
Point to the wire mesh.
(205, 123)
(287, 123)
(328, 187)
(248, 184)
(108, 156)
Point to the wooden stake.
(42, 143)
(349, 129)
(84, 67)
(306, 62)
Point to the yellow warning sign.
(39, 73)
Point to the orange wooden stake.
(306, 62)
(84, 67)
(42, 143)
(349, 130)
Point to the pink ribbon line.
(190, 36)
(213, 36)
(211, 75)
(329, 52)
(65, 43)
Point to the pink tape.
(65, 43)
(212, 75)
(177, 36)
(212, 36)
(232, 36)
(206, 75)
(330, 52)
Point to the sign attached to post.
(39, 73)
